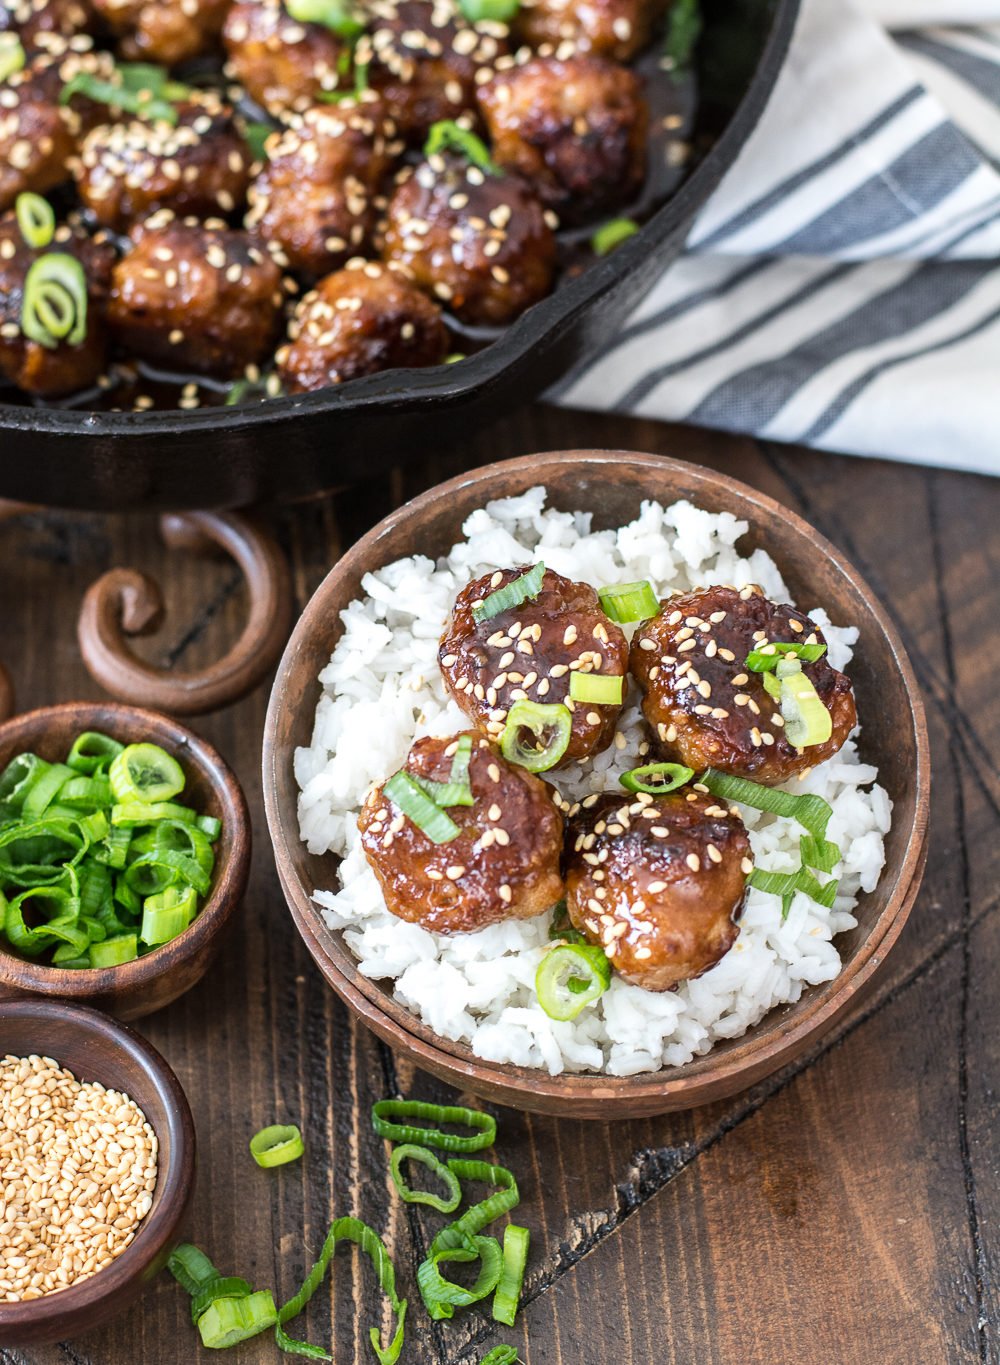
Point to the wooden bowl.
(152, 981)
(95, 1048)
(612, 484)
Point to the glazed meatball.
(43, 370)
(164, 31)
(607, 28)
(657, 882)
(316, 194)
(426, 59)
(504, 863)
(34, 20)
(358, 321)
(529, 653)
(575, 129)
(706, 708)
(195, 296)
(38, 135)
(281, 63)
(478, 242)
(200, 166)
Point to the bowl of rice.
(359, 682)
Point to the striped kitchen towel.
(842, 287)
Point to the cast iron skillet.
(291, 447)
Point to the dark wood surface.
(845, 1211)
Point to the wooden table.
(844, 1212)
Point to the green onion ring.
(227, 1321)
(598, 689)
(54, 302)
(145, 772)
(92, 752)
(441, 1297)
(807, 718)
(571, 976)
(36, 219)
(644, 779)
(609, 236)
(629, 601)
(412, 1152)
(501, 1355)
(474, 1219)
(538, 718)
(513, 594)
(404, 793)
(448, 135)
(277, 1145)
(384, 1112)
(515, 1258)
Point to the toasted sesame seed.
(693, 862)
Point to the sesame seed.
(693, 862)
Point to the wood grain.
(762, 1228)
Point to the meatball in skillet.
(425, 59)
(34, 20)
(316, 194)
(164, 31)
(706, 708)
(575, 129)
(504, 863)
(358, 321)
(38, 135)
(51, 371)
(529, 653)
(657, 882)
(195, 296)
(477, 241)
(281, 63)
(200, 166)
(607, 28)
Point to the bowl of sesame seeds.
(97, 1155)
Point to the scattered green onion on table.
(99, 863)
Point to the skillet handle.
(124, 602)
(9, 509)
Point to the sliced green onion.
(132, 813)
(225, 1287)
(410, 1151)
(447, 134)
(765, 658)
(255, 135)
(146, 773)
(457, 791)
(571, 976)
(603, 242)
(455, 357)
(191, 1268)
(114, 951)
(44, 789)
(656, 778)
(553, 720)
(786, 884)
(346, 1230)
(441, 1297)
(151, 873)
(36, 219)
(519, 590)
(501, 1355)
(561, 929)
(85, 792)
(601, 689)
(683, 31)
(417, 806)
(494, 11)
(386, 1112)
(92, 752)
(515, 1258)
(629, 601)
(818, 853)
(277, 1145)
(227, 1321)
(54, 302)
(67, 958)
(812, 812)
(12, 58)
(210, 826)
(167, 915)
(60, 909)
(335, 15)
(807, 719)
(117, 95)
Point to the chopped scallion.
(629, 601)
(36, 219)
(448, 135)
(54, 301)
(12, 56)
(501, 1355)
(419, 809)
(337, 16)
(410, 1151)
(656, 778)
(519, 590)
(495, 11)
(386, 1113)
(277, 1145)
(610, 235)
(599, 689)
(571, 976)
(765, 658)
(552, 727)
(515, 1258)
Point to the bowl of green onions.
(124, 852)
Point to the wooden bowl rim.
(88, 983)
(766, 1045)
(158, 1229)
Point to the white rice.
(382, 689)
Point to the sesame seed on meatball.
(607, 28)
(706, 708)
(504, 863)
(164, 31)
(281, 63)
(657, 882)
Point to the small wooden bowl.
(612, 484)
(95, 1048)
(150, 982)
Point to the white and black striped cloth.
(842, 287)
